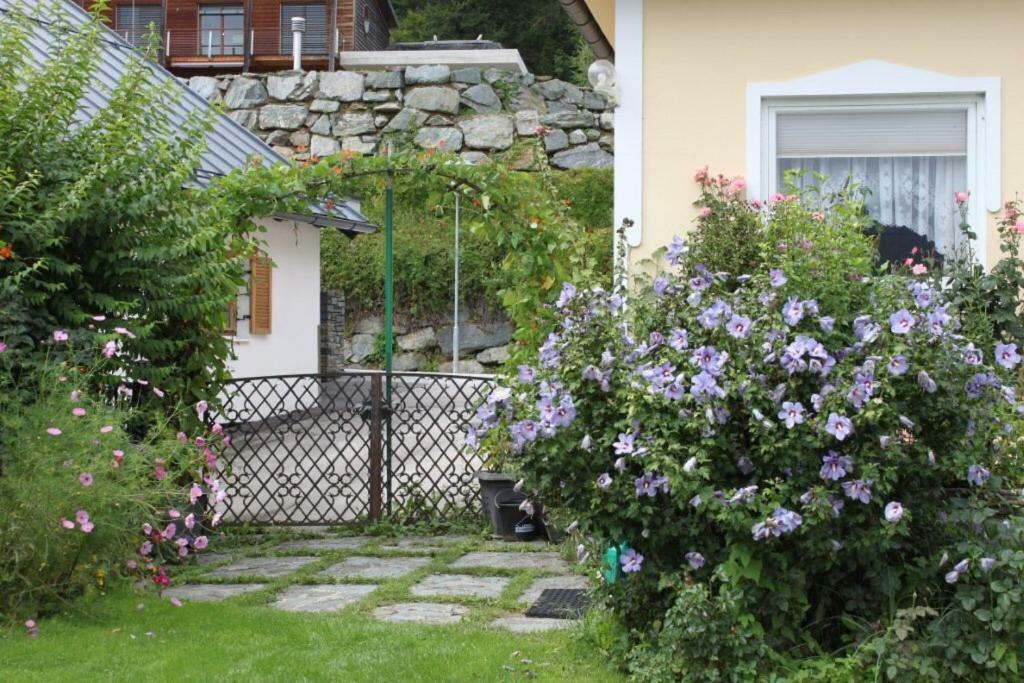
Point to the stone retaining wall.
(479, 114)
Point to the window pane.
(909, 191)
(233, 21)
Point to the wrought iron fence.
(326, 449)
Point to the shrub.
(813, 467)
(84, 500)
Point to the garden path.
(441, 579)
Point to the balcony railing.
(228, 45)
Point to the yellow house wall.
(699, 56)
(604, 15)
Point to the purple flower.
(937, 321)
(952, 577)
(858, 489)
(695, 560)
(660, 285)
(893, 512)
(901, 322)
(827, 323)
(977, 475)
(631, 561)
(604, 481)
(675, 251)
(926, 382)
(792, 413)
(898, 365)
(526, 374)
(708, 359)
(839, 426)
(776, 278)
(690, 465)
(1007, 356)
(678, 339)
(987, 564)
(972, 355)
(567, 294)
(625, 444)
(793, 311)
(738, 326)
(745, 465)
(962, 566)
(781, 521)
(646, 486)
(675, 390)
(713, 315)
(835, 466)
(704, 386)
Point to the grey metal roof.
(228, 144)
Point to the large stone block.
(384, 79)
(495, 355)
(481, 98)
(292, 85)
(354, 123)
(568, 119)
(406, 119)
(418, 340)
(433, 98)
(555, 140)
(416, 75)
(475, 336)
(527, 123)
(361, 347)
(446, 138)
(466, 367)
(285, 116)
(346, 86)
(585, 156)
(489, 131)
(245, 93)
(470, 75)
(550, 90)
(204, 86)
(322, 146)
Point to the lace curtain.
(912, 191)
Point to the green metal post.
(389, 306)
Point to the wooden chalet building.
(203, 37)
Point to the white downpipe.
(298, 28)
(455, 325)
(209, 44)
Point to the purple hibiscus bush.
(792, 461)
(92, 491)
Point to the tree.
(539, 29)
(107, 238)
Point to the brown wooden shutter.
(232, 326)
(259, 295)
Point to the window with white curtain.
(910, 157)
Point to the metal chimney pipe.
(298, 28)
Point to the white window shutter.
(871, 133)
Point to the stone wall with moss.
(480, 114)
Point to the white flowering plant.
(827, 465)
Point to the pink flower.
(82, 517)
(158, 392)
(183, 437)
(99, 318)
(908, 262)
(201, 409)
(3, 346)
(173, 514)
(211, 458)
(1018, 227)
(776, 197)
(818, 216)
(960, 197)
(704, 212)
(85, 479)
(919, 269)
(147, 528)
(176, 602)
(106, 429)
(701, 175)
(67, 523)
(226, 441)
(76, 395)
(124, 331)
(755, 203)
(132, 565)
(160, 472)
(190, 521)
(109, 349)
(200, 441)
(118, 458)
(88, 527)
(216, 519)
(169, 531)
(200, 542)
(78, 412)
(216, 429)
(31, 628)
(60, 336)
(194, 493)
(53, 431)
(146, 548)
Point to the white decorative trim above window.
(876, 109)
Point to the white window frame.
(875, 85)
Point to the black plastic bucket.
(511, 523)
(491, 484)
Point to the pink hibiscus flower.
(85, 479)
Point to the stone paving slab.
(431, 544)
(551, 562)
(212, 558)
(325, 544)
(210, 592)
(376, 567)
(262, 566)
(320, 598)
(517, 623)
(531, 594)
(421, 613)
(460, 586)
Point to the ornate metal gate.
(325, 449)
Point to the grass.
(110, 638)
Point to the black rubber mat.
(560, 603)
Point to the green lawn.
(245, 642)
